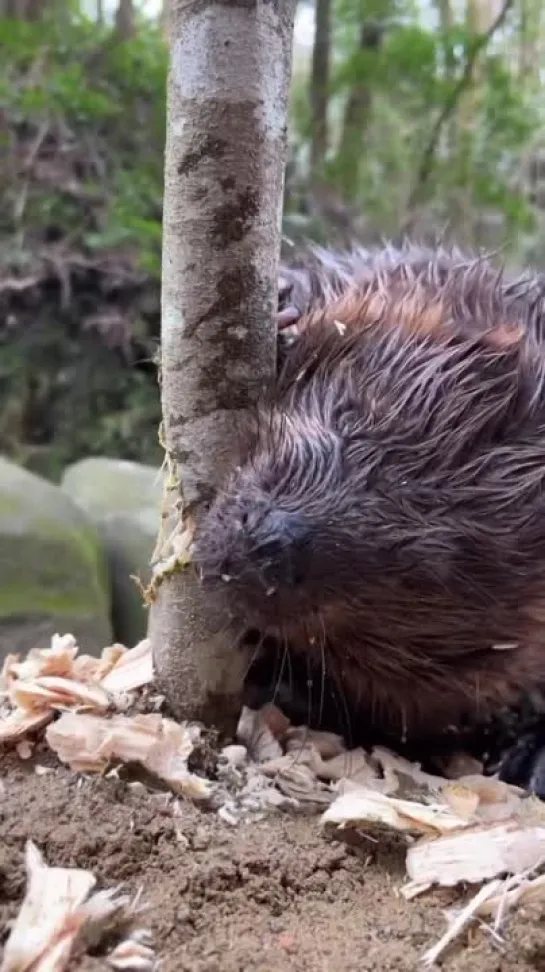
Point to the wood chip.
(54, 692)
(18, 724)
(58, 659)
(59, 918)
(133, 669)
(56, 678)
(88, 668)
(254, 733)
(49, 920)
(132, 955)
(88, 743)
(476, 854)
(368, 808)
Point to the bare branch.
(426, 165)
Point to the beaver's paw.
(524, 764)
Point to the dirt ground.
(267, 896)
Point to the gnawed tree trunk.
(319, 82)
(225, 159)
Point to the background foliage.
(406, 117)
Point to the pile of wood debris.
(472, 830)
(60, 920)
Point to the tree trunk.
(30, 10)
(356, 117)
(446, 20)
(226, 145)
(164, 17)
(124, 20)
(530, 44)
(319, 82)
(479, 16)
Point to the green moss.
(16, 600)
(51, 560)
(46, 577)
(85, 541)
(10, 506)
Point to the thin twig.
(426, 164)
(42, 134)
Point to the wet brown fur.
(388, 514)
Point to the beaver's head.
(380, 462)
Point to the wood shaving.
(89, 743)
(15, 725)
(476, 854)
(254, 733)
(133, 955)
(460, 827)
(170, 556)
(58, 659)
(87, 668)
(371, 809)
(58, 917)
(132, 670)
(54, 679)
(54, 692)
(234, 756)
(469, 831)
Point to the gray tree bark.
(224, 172)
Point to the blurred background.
(407, 116)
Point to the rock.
(123, 500)
(53, 573)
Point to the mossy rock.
(53, 573)
(124, 500)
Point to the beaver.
(385, 522)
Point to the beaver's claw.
(287, 313)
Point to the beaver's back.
(474, 293)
